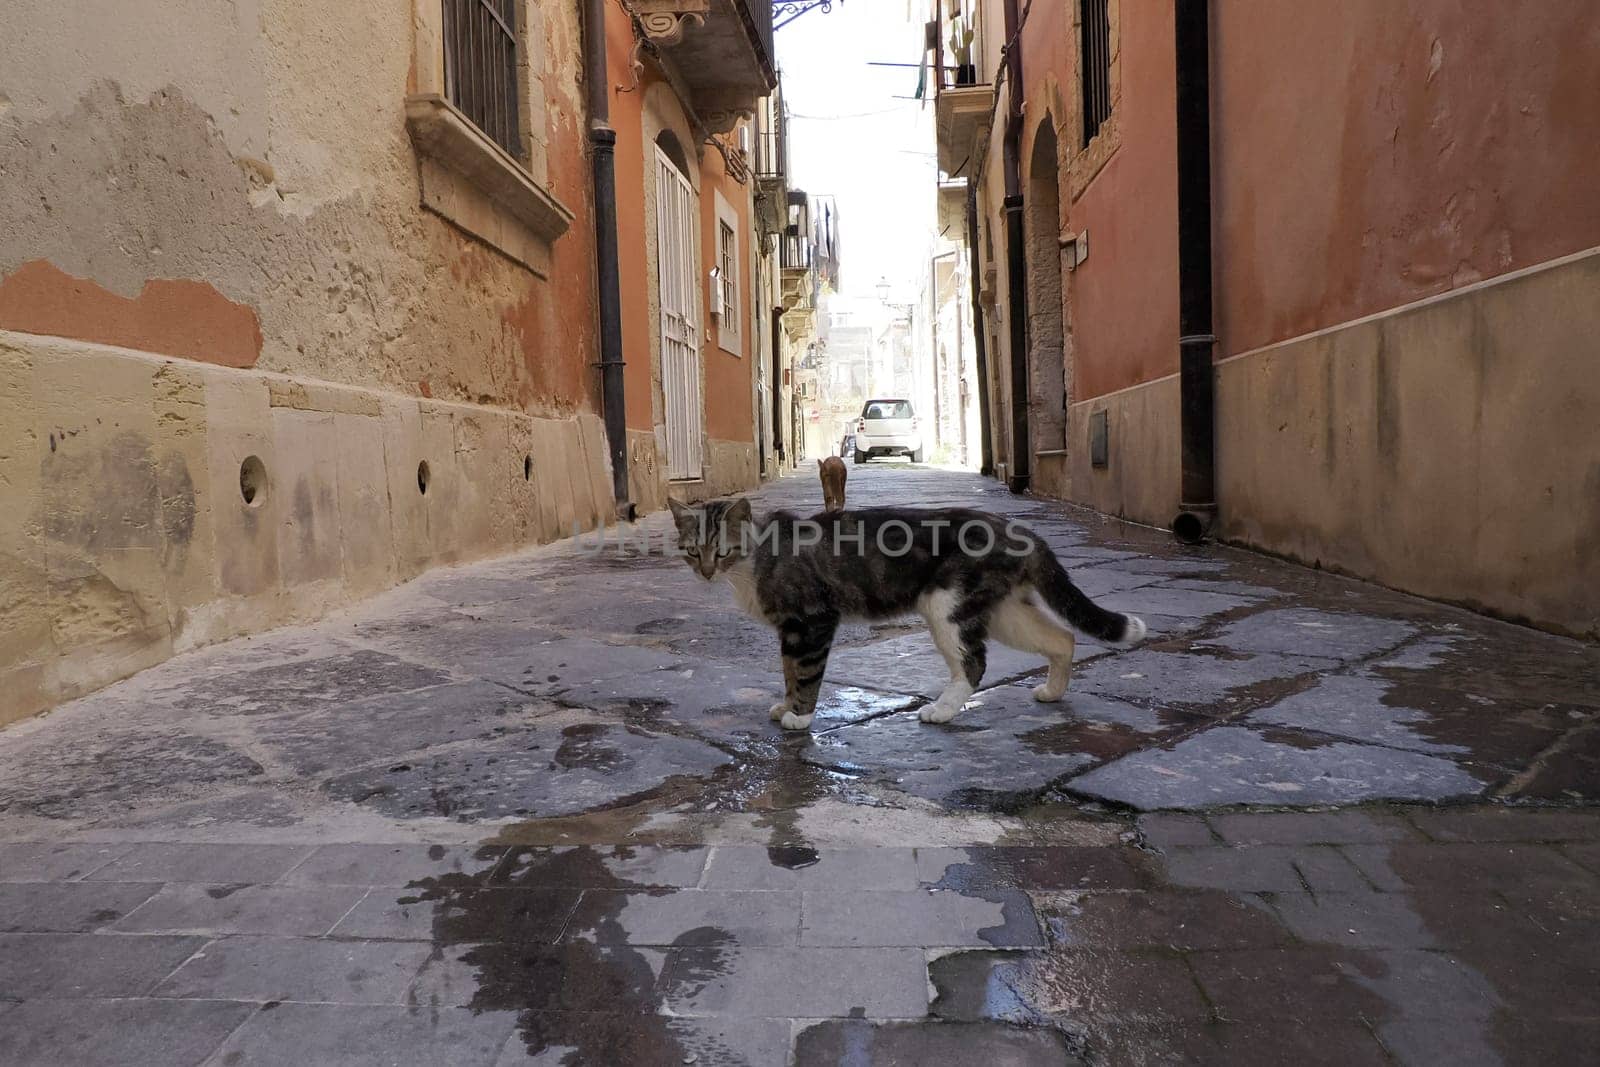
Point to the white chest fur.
(742, 578)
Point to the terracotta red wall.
(1365, 154)
(627, 120)
(729, 407)
(1122, 303)
(1371, 153)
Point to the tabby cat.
(971, 576)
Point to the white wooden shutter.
(677, 221)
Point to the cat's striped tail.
(1050, 578)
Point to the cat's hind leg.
(1021, 624)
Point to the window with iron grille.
(1094, 61)
(480, 67)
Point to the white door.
(677, 267)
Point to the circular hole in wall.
(423, 476)
(253, 481)
(527, 468)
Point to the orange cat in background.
(832, 472)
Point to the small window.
(724, 300)
(1094, 62)
(729, 261)
(480, 67)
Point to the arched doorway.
(678, 276)
(1047, 325)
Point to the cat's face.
(711, 535)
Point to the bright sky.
(850, 136)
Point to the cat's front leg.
(786, 705)
(806, 643)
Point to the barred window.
(1094, 61)
(480, 67)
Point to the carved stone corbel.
(721, 110)
(665, 21)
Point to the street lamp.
(883, 289)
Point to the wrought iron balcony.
(795, 252)
(963, 87)
(720, 49)
(772, 163)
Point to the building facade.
(298, 301)
(1372, 227)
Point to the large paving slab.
(1004, 748)
(1235, 766)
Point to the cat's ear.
(738, 513)
(681, 513)
(819, 464)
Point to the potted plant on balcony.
(961, 52)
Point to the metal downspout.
(1016, 258)
(1196, 382)
(980, 352)
(602, 144)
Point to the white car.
(888, 427)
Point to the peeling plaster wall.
(212, 247)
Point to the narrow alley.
(371, 373)
(534, 807)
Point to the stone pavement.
(532, 811)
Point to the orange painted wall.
(1371, 153)
(1122, 303)
(176, 318)
(729, 412)
(627, 118)
(729, 406)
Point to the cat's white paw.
(939, 712)
(778, 711)
(1048, 694)
(791, 721)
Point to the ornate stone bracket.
(665, 21)
(721, 110)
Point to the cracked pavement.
(532, 810)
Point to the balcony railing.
(959, 57)
(964, 91)
(771, 147)
(759, 12)
(795, 253)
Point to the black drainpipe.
(1016, 258)
(603, 144)
(979, 344)
(1197, 411)
(777, 384)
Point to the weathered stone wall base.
(1140, 479)
(1449, 448)
(125, 535)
